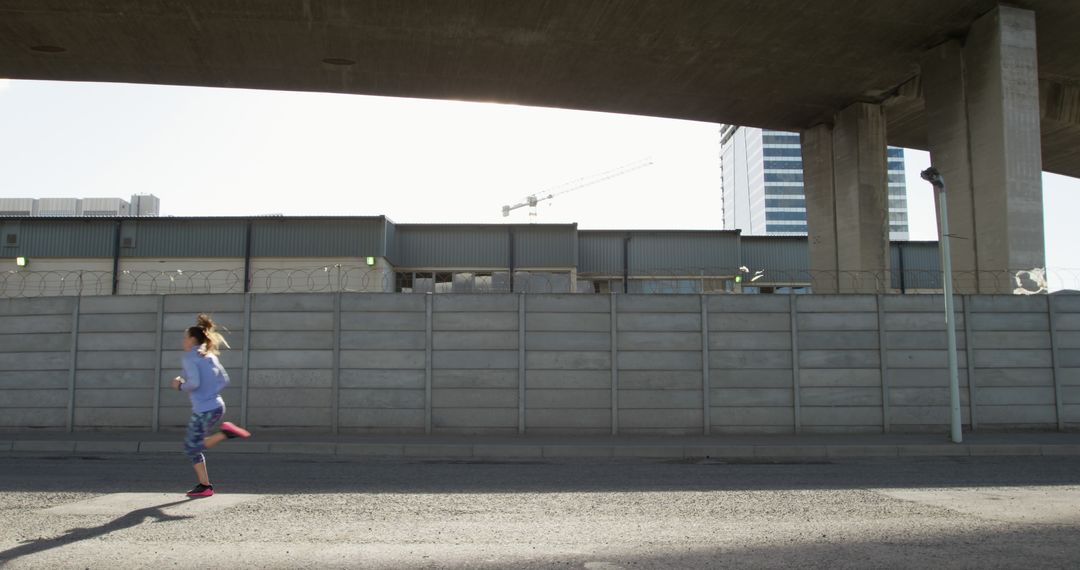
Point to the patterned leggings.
(198, 426)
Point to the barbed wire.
(343, 278)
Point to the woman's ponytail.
(206, 334)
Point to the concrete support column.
(847, 200)
(982, 104)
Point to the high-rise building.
(762, 180)
(140, 205)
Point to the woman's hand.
(177, 382)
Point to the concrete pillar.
(847, 198)
(982, 104)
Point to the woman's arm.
(191, 374)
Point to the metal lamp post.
(933, 176)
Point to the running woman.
(204, 378)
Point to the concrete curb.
(489, 450)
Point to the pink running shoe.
(200, 490)
(232, 430)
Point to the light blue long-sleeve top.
(204, 379)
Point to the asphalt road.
(274, 512)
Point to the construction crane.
(576, 184)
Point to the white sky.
(211, 152)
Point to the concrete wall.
(547, 364)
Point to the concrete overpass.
(992, 91)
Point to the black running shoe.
(201, 490)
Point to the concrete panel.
(658, 304)
(657, 360)
(474, 417)
(920, 303)
(752, 397)
(923, 378)
(660, 341)
(179, 322)
(474, 359)
(383, 322)
(386, 419)
(841, 416)
(467, 340)
(114, 359)
(290, 378)
(475, 303)
(39, 379)
(382, 302)
(25, 418)
(658, 379)
(659, 399)
(748, 416)
(383, 399)
(938, 396)
(922, 340)
(121, 304)
(552, 360)
(127, 323)
(384, 340)
(289, 397)
(474, 378)
(924, 359)
(838, 322)
(552, 418)
(839, 359)
(750, 359)
(36, 324)
(724, 378)
(750, 340)
(36, 361)
(232, 360)
(568, 303)
(474, 398)
(475, 321)
(919, 321)
(113, 417)
(1069, 358)
(286, 417)
(281, 321)
(114, 398)
(690, 322)
(577, 322)
(682, 419)
(838, 340)
(383, 359)
(413, 379)
(44, 342)
(1068, 339)
(1013, 358)
(292, 340)
(840, 397)
(292, 302)
(1010, 322)
(934, 416)
(852, 377)
(566, 340)
(753, 304)
(33, 399)
(1008, 303)
(39, 306)
(835, 303)
(292, 359)
(1068, 321)
(1063, 304)
(102, 341)
(567, 399)
(1017, 414)
(570, 379)
(1015, 396)
(203, 303)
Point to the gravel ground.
(276, 512)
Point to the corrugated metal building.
(179, 254)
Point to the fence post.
(795, 394)
(883, 355)
(427, 363)
(614, 364)
(335, 379)
(706, 386)
(157, 363)
(74, 365)
(969, 355)
(1051, 310)
(521, 363)
(247, 360)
